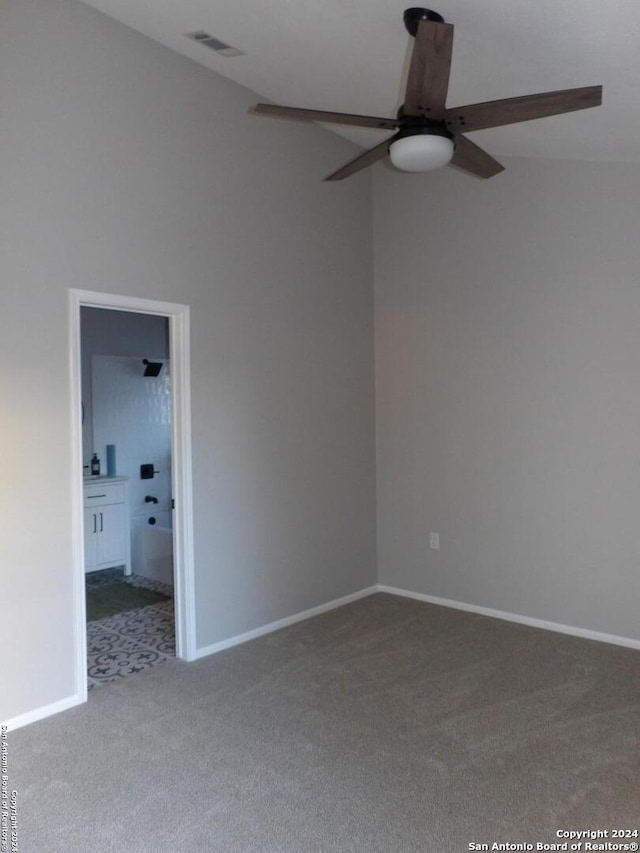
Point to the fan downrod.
(412, 18)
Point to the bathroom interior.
(126, 452)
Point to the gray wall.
(129, 169)
(508, 389)
(124, 333)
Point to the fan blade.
(428, 79)
(525, 108)
(471, 158)
(367, 159)
(297, 114)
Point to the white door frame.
(178, 316)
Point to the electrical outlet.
(434, 541)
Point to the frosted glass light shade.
(421, 152)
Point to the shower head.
(152, 368)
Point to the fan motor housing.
(412, 125)
(418, 130)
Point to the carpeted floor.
(386, 726)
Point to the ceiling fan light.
(421, 152)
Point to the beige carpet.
(387, 725)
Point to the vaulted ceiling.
(352, 56)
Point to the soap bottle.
(95, 465)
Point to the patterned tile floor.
(127, 643)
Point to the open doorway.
(134, 572)
(127, 492)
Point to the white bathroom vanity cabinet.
(107, 538)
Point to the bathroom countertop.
(100, 478)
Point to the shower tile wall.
(134, 413)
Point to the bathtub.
(152, 547)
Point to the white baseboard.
(78, 699)
(585, 633)
(45, 711)
(283, 623)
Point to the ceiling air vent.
(214, 44)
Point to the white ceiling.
(349, 55)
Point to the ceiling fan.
(429, 135)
